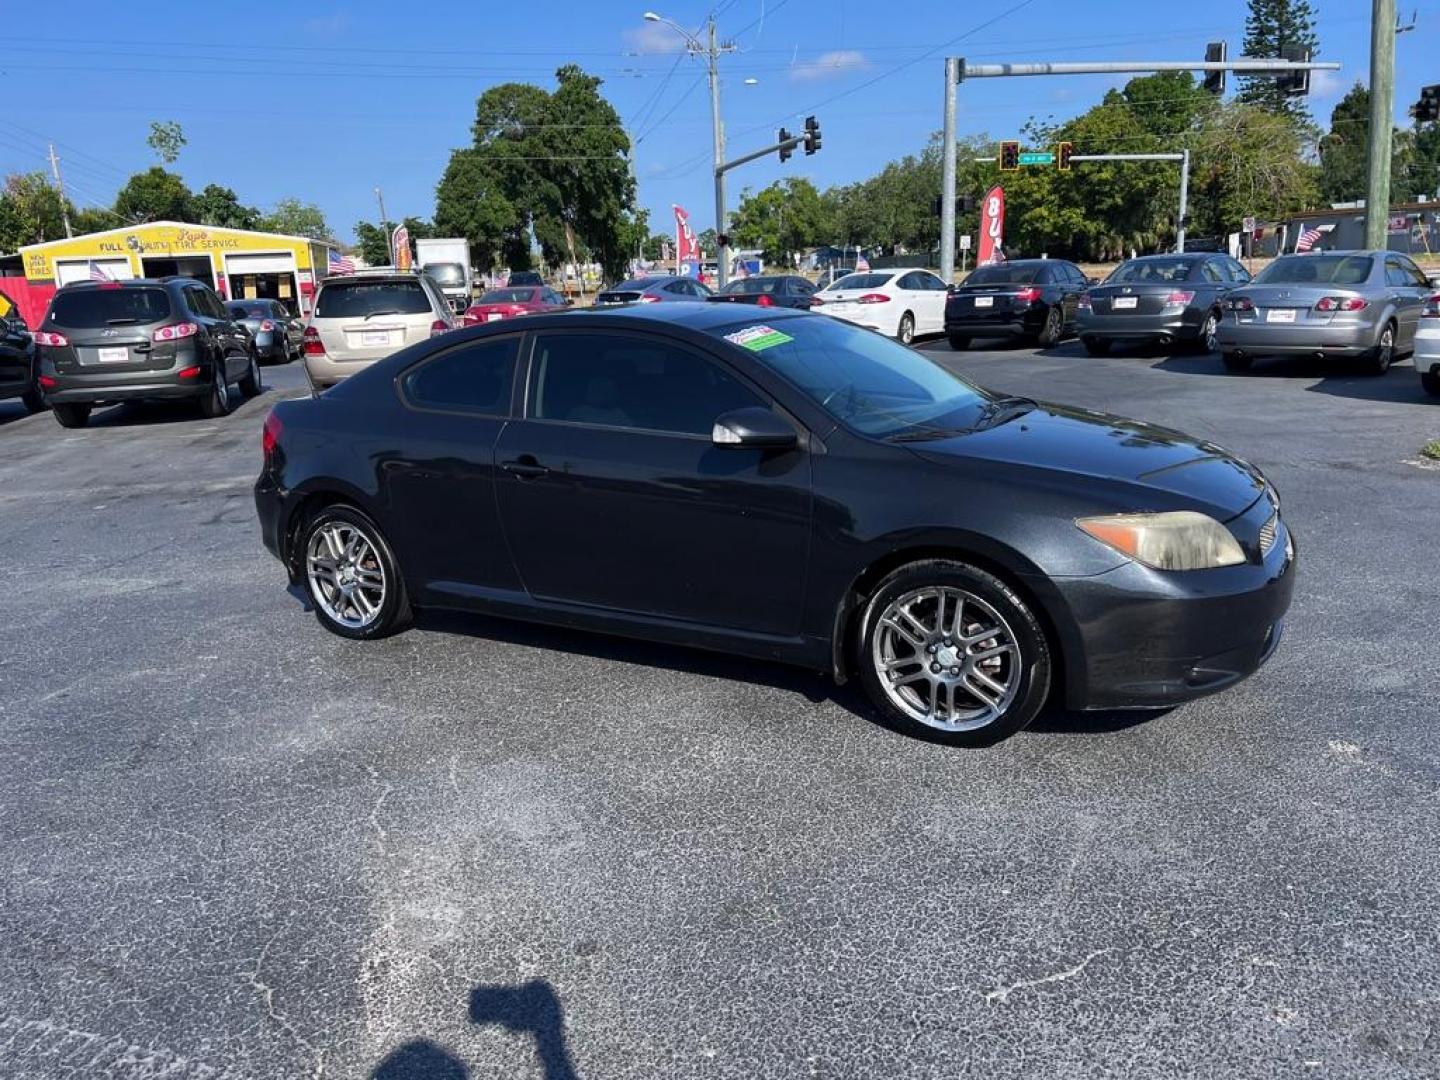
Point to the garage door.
(71, 270)
(259, 264)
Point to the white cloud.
(653, 39)
(1328, 85)
(830, 65)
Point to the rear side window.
(619, 380)
(862, 281)
(85, 308)
(472, 378)
(361, 299)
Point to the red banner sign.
(992, 228)
(687, 248)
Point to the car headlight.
(1177, 540)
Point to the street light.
(711, 50)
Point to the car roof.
(1187, 256)
(136, 282)
(1024, 262)
(691, 316)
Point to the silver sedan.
(1360, 304)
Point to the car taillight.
(110, 285)
(1083, 301)
(1029, 295)
(45, 337)
(313, 345)
(815, 301)
(176, 332)
(1180, 297)
(266, 326)
(1432, 308)
(1240, 303)
(188, 373)
(438, 327)
(874, 298)
(270, 435)
(47, 383)
(763, 300)
(1341, 303)
(649, 299)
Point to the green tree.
(1248, 161)
(374, 241)
(155, 195)
(91, 219)
(1271, 26)
(782, 219)
(31, 211)
(294, 218)
(654, 247)
(1344, 154)
(1424, 171)
(709, 241)
(166, 139)
(216, 205)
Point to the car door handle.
(525, 467)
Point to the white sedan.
(1427, 346)
(902, 303)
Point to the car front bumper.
(1152, 638)
(1258, 338)
(1182, 325)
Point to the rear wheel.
(1053, 329)
(216, 402)
(950, 653)
(1379, 359)
(32, 401)
(1207, 341)
(906, 334)
(1431, 382)
(72, 416)
(351, 575)
(250, 381)
(959, 342)
(1096, 346)
(1236, 362)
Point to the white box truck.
(447, 260)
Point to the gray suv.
(111, 341)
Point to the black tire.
(1236, 362)
(1025, 668)
(392, 613)
(33, 401)
(71, 416)
(250, 382)
(1096, 346)
(216, 402)
(1053, 330)
(1205, 341)
(1431, 383)
(959, 342)
(906, 332)
(1378, 360)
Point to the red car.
(507, 303)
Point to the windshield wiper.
(374, 313)
(125, 321)
(927, 434)
(1000, 409)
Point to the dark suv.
(103, 342)
(17, 358)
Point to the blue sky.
(326, 101)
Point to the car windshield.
(862, 281)
(867, 382)
(525, 277)
(1318, 269)
(1003, 275)
(508, 296)
(753, 286)
(87, 308)
(359, 299)
(249, 311)
(1140, 271)
(448, 273)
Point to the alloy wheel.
(947, 659)
(1208, 332)
(907, 329)
(347, 578)
(1385, 354)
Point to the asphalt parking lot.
(237, 846)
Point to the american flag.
(97, 273)
(341, 264)
(1311, 236)
(862, 263)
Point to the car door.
(612, 495)
(1215, 280)
(798, 292)
(1414, 288)
(933, 290)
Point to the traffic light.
(785, 149)
(812, 135)
(1427, 109)
(967, 204)
(1010, 156)
(1294, 83)
(1215, 80)
(722, 240)
(964, 204)
(1062, 156)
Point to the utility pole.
(947, 183)
(60, 186)
(1382, 110)
(384, 224)
(1184, 201)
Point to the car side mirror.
(755, 427)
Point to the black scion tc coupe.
(786, 486)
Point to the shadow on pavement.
(1062, 722)
(420, 1059)
(1337, 377)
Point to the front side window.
(630, 381)
(867, 382)
(471, 378)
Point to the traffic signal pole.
(957, 71)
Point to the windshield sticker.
(756, 338)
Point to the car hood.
(1162, 468)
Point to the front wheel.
(952, 654)
(216, 402)
(1207, 341)
(351, 575)
(72, 416)
(1430, 381)
(1096, 346)
(906, 334)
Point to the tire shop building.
(236, 263)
